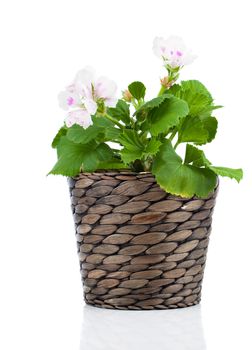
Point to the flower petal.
(91, 106)
(105, 88)
(83, 81)
(111, 102)
(80, 117)
(189, 58)
(62, 98)
(71, 88)
(159, 47)
(85, 76)
(175, 43)
(68, 99)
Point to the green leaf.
(196, 95)
(167, 115)
(152, 146)
(102, 122)
(130, 156)
(133, 147)
(174, 90)
(62, 132)
(131, 140)
(181, 179)
(142, 112)
(120, 112)
(102, 129)
(208, 110)
(196, 156)
(197, 103)
(110, 131)
(78, 134)
(112, 134)
(192, 130)
(137, 90)
(73, 157)
(155, 102)
(236, 174)
(104, 152)
(196, 87)
(210, 124)
(90, 161)
(197, 130)
(113, 164)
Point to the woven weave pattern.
(139, 247)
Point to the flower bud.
(127, 96)
(165, 82)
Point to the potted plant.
(142, 211)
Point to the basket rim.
(129, 172)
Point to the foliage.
(146, 139)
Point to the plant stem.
(162, 90)
(173, 134)
(176, 144)
(113, 120)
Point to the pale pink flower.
(173, 51)
(95, 89)
(86, 93)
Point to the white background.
(43, 44)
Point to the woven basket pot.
(140, 248)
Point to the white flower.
(86, 93)
(80, 117)
(173, 51)
(95, 89)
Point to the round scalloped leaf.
(181, 179)
(137, 90)
(167, 115)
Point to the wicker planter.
(139, 247)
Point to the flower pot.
(140, 248)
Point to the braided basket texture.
(140, 248)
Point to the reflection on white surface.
(179, 329)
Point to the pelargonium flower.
(85, 95)
(173, 51)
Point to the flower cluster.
(174, 54)
(85, 96)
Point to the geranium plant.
(102, 132)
